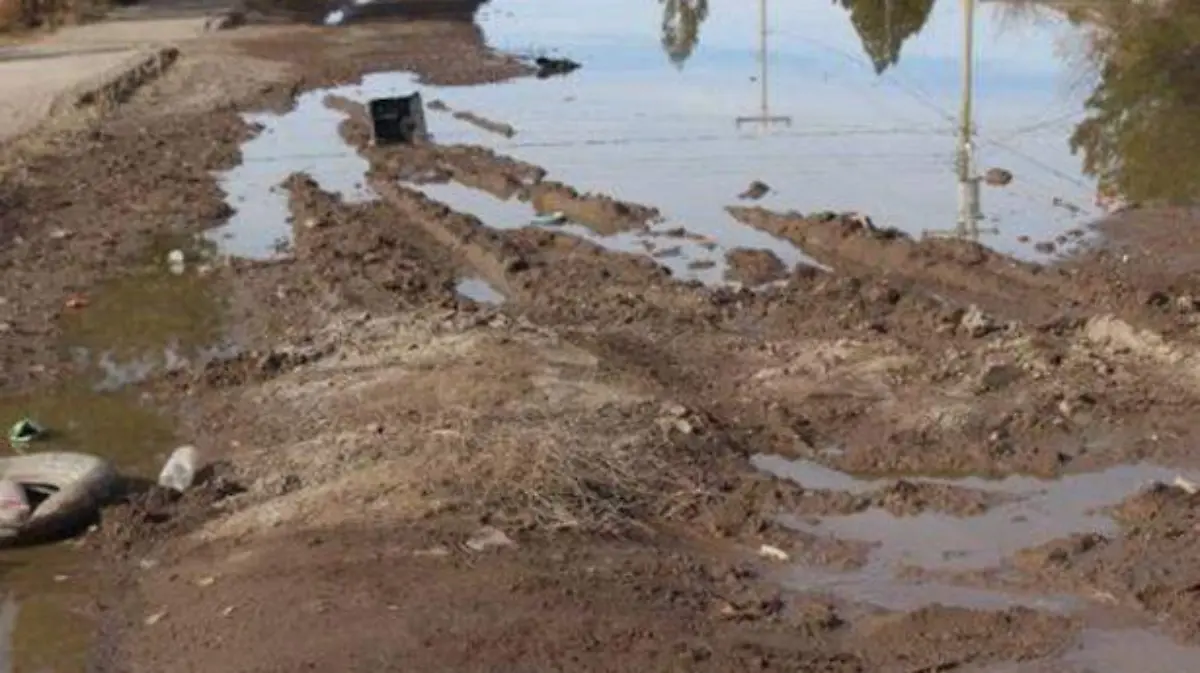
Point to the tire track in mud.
(916, 377)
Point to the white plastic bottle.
(180, 471)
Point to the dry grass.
(404, 423)
(607, 471)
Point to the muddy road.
(470, 409)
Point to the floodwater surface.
(872, 93)
(863, 108)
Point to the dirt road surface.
(610, 470)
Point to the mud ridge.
(499, 128)
(119, 84)
(499, 175)
(965, 270)
(603, 214)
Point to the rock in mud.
(998, 177)
(976, 323)
(487, 538)
(753, 267)
(549, 67)
(755, 191)
(999, 377)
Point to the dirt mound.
(1153, 564)
(754, 267)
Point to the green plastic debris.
(550, 219)
(24, 431)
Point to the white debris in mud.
(773, 553)
(488, 537)
(180, 471)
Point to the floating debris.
(998, 177)
(755, 191)
(25, 431)
(179, 473)
(549, 67)
(773, 553)
(550, 219)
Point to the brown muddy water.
(156, 317)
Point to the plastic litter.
(179, 473)
(24, 431)
(176, 262)
(549, 219)
(773, 553)
(1187, 485)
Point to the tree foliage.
(884, 26)
(1141, 136)
(681, 28)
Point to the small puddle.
(1040, 511)
(479, 290)
(1112, 651)
(305, 140)
(514, 214)
(875, 584)
(48, 583)
(157, 317)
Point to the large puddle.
(667, 113)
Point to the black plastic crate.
(397, 120)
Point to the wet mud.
(926, 456)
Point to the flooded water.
(479, 290)
(305, 142)
(873, 101)
(864, 108)
(845, 105)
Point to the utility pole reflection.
(764, 118)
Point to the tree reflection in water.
(681, 28)
(1141, 137)
(884, 25)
